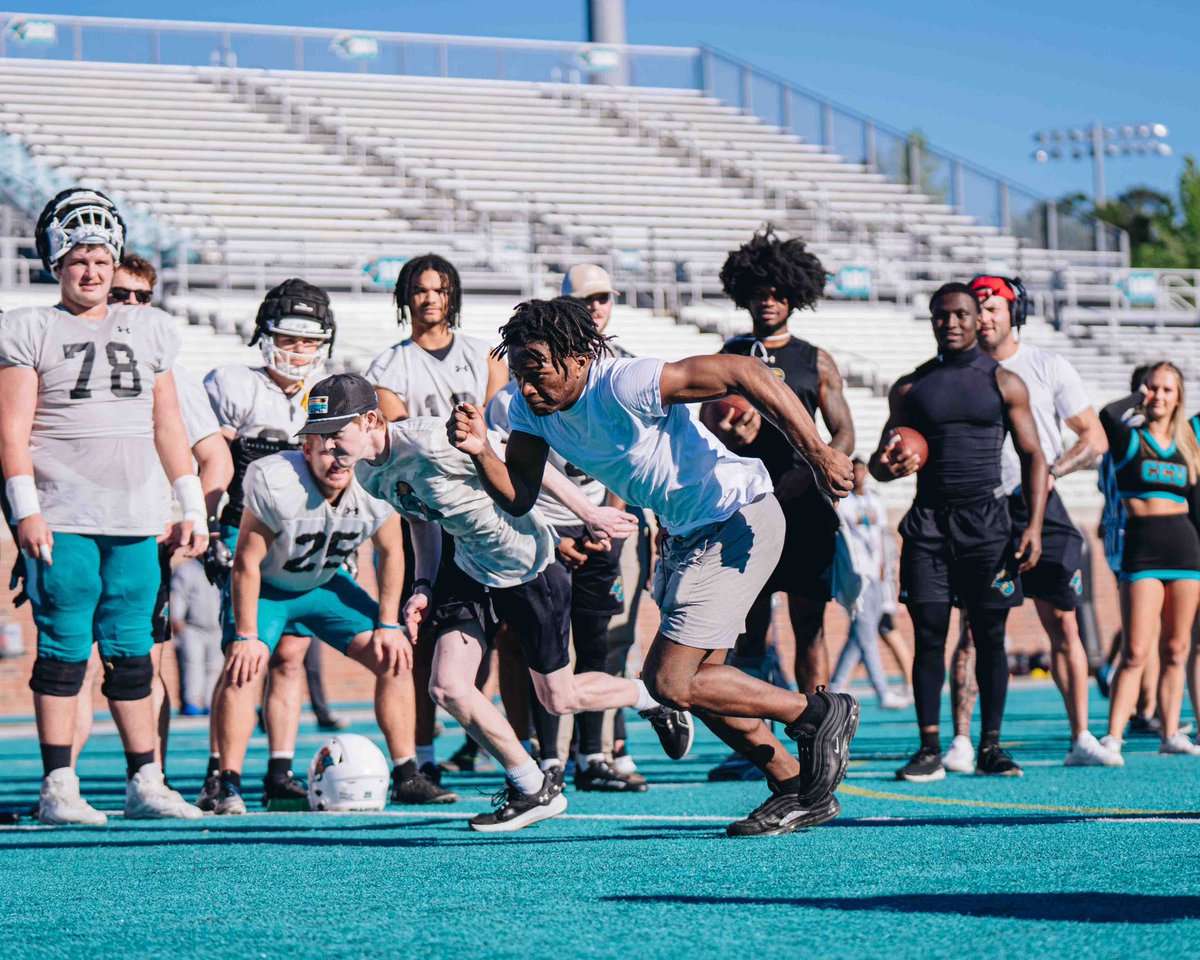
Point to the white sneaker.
(960, 758)
(60, 802)
(894, 701)
(1109, 742)
(1179, 744)
(147, 797)
(1087, 751)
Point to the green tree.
(1163, 232)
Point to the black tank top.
(1143, 469)
(955, 404)
(795, 363)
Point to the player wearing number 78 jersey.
(303, 516)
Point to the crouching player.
(304, 514)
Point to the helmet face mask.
(78, 217)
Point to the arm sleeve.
(1070, 395)
(17, 340)
(1112, 418)
(637, 386)
(259, 498)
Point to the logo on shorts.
(618, 590)
(1004, 583)
(318, 405)
(1077, 582)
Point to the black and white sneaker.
(229, 800)
(924, 766)
(284, 794)
(516, 810)
(993, 760)
(674, 728)
(210, 792)
(600, 777)
(420, 788)
(782, 813)
(823, 748)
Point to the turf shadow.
(1091, 907)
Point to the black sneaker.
(782, 813)
(600, 777)
(332, 723)
(993, 761)
(432, 773)
(1140, 726)
(516, 810)
(462, 760)
(674, 728)
(210, 792)
(824, 748)
(924, 766)
(284, 794)
(420, 789)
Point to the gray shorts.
(706, 582)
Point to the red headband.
(985, 287)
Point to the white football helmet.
(78, 216)
(348, 773)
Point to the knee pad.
(57, 678)
(127, 678)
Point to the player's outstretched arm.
(216, 469)
(889, 461)
(170, 439)
(248, 654)
(392, 647)
(513, 482)
(18, 401)
(603, 522)
(697, 379)
(1035, 478)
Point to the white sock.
(583, 761)
(644, 700)
(549, 762)
(401, 761)
(528, 777)
(426, 755)
(282, 754)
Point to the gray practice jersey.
(558, 515)
(199, 421)
(313, 537)
(431, 387)
(94, 461)
(248, 401)
(425, 477)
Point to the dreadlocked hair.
(768, 263)
(564, 325)
(407, 281)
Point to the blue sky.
(977, 77)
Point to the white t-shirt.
(94, 461)
(431, 387)
(653, 456)
(1056, 393)
(313, 537)
(425, 477)
(558, 515)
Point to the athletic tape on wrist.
(22, 497)
(190, 495)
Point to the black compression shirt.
(795, 363)
(955, 403)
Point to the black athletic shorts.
(887, 624)
(1160, 548)
(539, 611)
(1057, 578)
(597, 588)
(961, 555)
(810, 536)
(160, 621)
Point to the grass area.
(1065, 862)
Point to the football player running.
(88, 411)
(303, 515)
(260, 410)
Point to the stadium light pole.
(1100, 141)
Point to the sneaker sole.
(812, 818)
(831, 749)
(958, 768)
(526, 819)
(668, 745)
(231, 811)
(52, 822)
(1068, 762)
(939, 774)
(625, 787)
(1007, 773)
(155, 815)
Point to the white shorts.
(706, 582)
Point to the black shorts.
(959, 555)
(539, 611)
(1058, 578)
(1160, 548)
(597, 588)
(810, 535)
(160, 621)
(887, 624)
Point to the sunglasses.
(122, 295)
(598, 298)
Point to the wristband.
(245, 636)
(423, 582)
(190, 495)
(387, 626)
(22, 497)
